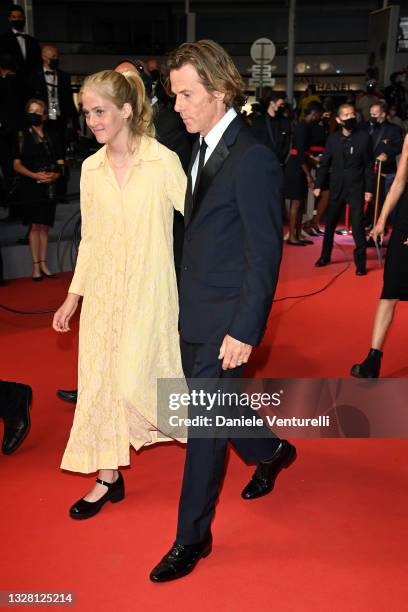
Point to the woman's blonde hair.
(215, 68)
(124, 88)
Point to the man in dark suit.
(24, 49)
(229, 271)
(52, 85)
(349, 159)
(387, 139)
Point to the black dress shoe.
(17, 423)
(83, 509)
(322, 261)
(361, 272)
(306, 242)
(292, 243)
(370, 367)
(180, 560)
(266, 472)
(68, 396)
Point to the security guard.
(349, 159)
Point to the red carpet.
(332, 536)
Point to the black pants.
(333, 215)
(205, 457)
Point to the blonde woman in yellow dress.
(125, 273)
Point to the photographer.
(38, 161)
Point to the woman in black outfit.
(38, 161)
(297, 174)
(395, 287)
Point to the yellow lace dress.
(128, 329)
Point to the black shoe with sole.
(322, 261)
(370, 367)
(17, 421)
(83, 509)
(180, 560)
(68, 396)
(266, 472)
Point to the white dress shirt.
(21, 41)
(212, 139)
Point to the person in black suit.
(349, 159)
(229, 271)
(52, 85)
(15, 400)
(24, 49)
(273, 128)
(387, 139)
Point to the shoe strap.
(107, 484)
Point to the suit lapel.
(215, 163)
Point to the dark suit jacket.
(9, 44)
(387, 138)
(359, 178)
(233, 242)
(38, 89)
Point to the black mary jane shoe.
(83, 509)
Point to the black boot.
(370, 367)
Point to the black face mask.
(17, 24)
(349, 124)
(373, 121)
(34, 118)
(280, 112)
(54, 63)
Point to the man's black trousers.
(205, 457)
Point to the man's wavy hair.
(215, 68)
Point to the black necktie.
(201, 159)
(49, 72)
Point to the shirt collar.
(215, 134)
(148, 151)
(17, 32)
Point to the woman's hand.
(49, 177)
(63, 315)
(41, 177)
(378, 230)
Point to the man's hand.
(317, 192)
(233, 353)
(383, 157)
(368, 196)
